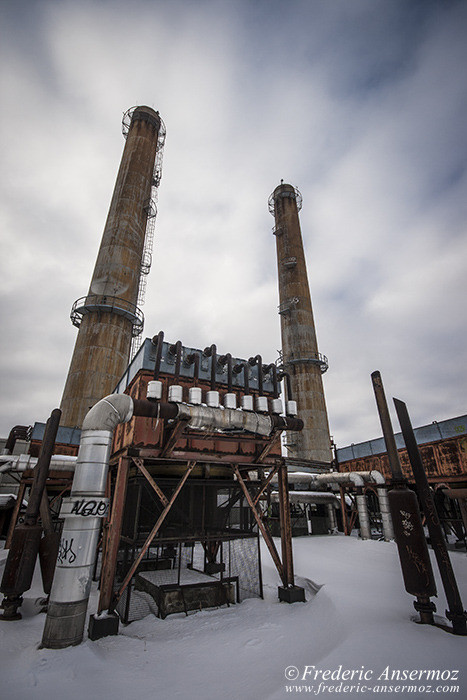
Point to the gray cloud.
(362, 105)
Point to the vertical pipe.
(158, 341)
(113, 536)
(386, 520)
(258, 361)
(83, 512)
(246, 379)
(177, 351)
(193, 359)
(285, 525)
(272, 369)
(227, 359)
(386, 426)
(345, 520)
(332, 519)
(363, 517)
(212, 353)
(42, 468)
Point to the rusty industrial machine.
(191, 436)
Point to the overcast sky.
(361, 104)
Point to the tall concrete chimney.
(108, 317)
(300, 356)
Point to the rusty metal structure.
(188, 476)
(109, 318)
(442, 444)
(300, 357)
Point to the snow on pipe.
(83, 512)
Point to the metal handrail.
(107, 304)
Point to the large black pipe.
(158, 341)
(272, 370)
(193, 359)
(258, 361)
(21, 561)
(286, 376)
(456, 612)
(169, 411)
(246, 375)
(19, 432)
(212, 353)
(177, 351)
(227, 359)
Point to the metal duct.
(386, 519)
(332, 518)
(211, 418)
(83, 511)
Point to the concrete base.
(295, 594)
(103, 626)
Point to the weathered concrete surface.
(103, 344)
(299, 344)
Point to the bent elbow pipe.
(246, 377)
(227, 359)
(193, 359)
(286, 375)
(83, 512)
(272, 369)
(258, 361)
(177, 351)
(158, 341)
(212, 353)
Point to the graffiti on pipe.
(85, 507)
(66, 555)
(407, 524)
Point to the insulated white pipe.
(386, 520)
(213, 418)
(332, 519)
(20, 463)
(83, 511)
(309, 497)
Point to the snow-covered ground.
(357, 618)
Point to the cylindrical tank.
(301, 358)
(108, 317)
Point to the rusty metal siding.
(443, 460)
(147, 432)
